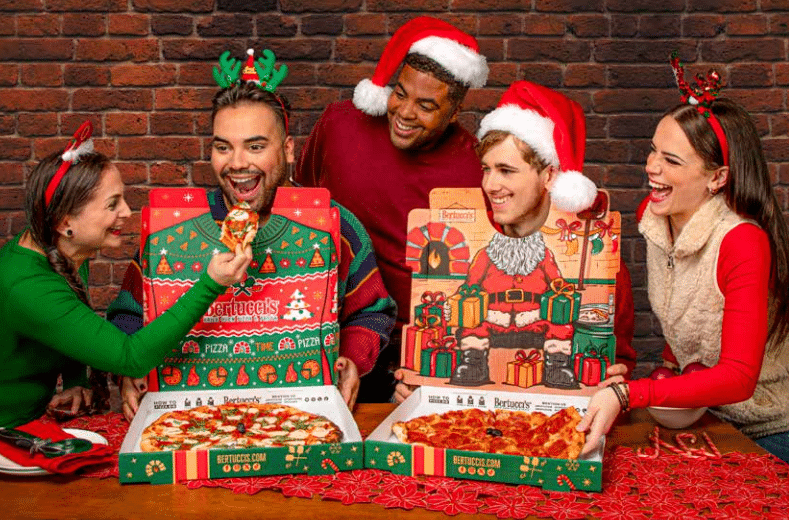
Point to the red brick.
(654, 76)
(169, 24)
(645, 6)
(584, 75)
(343, 75)
(722, 6)
(624, 26)
(126, 123)
(779, 24)
(547, 74)
(97, 99)
(118, 50)
(746, 25)
(363, 24)
(8, 29)
(38, 25)
(35, 124)
(9, 75)
(129, 24)
(500, 24)
(42, 147)
(640, 51)
(544, 25)
(224, 25)
(276, 25)
(633, 100)
(733, 50)
(779, 125)
(196, 74)
(570, 6)
(172, 123)
(289, 49)
(142, 75)
(42, 75)
(14, 100)
(774, 5)
(589, 25)
(203, 174)
(750, 75)
(11, 198)
(21, 5)
(637, 125)
(203, 124)
(169, 174)
(132, 172)
(86, 75)
(703, 25)
(492, 49)
(596, 126)
(159, 148)
(70, 121)
(188, 49)
(464, 22)
(359, 50)
(782, 73)
(482, 99)
(502, 74)
(254, 6)
(18, 222)
(87, 5)
(174, 6)
(119, 267)
(783, 174)
(184, 98)
(548, 49)
(776, 149)
(310, 97)
(660, 26)
(42, 49)
(100, 273)
(7, 124)
(301, 73)
(320, 6)
(84, 24)
(315, 24)
(12, 173)
(759, 100)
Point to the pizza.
(240, 226)
(237, 425)
(503, 431)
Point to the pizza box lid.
(167, 467)
(478, 321)
(384, 451)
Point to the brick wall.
(141, 71)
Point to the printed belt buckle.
(514, 296)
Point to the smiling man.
(381, 154)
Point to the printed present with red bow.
(590, 367)
(417, 337)
(468, 307)
(527, 368)
(440, 358)
(561, 304)
(432, 305)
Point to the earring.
(711, 191)
(69, 233)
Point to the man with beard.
(381, 154)
(251, 152)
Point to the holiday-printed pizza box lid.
(382, 449)
(277, 329)
(491, 312)
(165, 467)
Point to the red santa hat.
(440, 41)
(555, 128)
(249, 73)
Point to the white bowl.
(676, 418)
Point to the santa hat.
(445, 44)
(555, 128)
(249, 73)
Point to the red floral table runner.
(736, 485)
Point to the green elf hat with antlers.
(261, 71)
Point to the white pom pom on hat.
(555, 128)
(440, 41)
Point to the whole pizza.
(503, 431)
(237, 425)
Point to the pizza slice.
(240, 226)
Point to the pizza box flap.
(490, 313)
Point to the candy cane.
(642, 452)
(715, 452)
(566, 480)
(328, 463)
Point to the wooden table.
(65, 497)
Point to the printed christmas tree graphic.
(317, 259)
(164, 266)
(297, 308)
(268, 266)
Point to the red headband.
(80, 144)
(701, 96)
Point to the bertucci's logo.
(457, 215)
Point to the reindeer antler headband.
(701, 95)
(81, 144)
(261, 72)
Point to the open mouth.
(659, 191)
(245, 187)
(403, 130)
(115, 231)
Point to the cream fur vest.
(689, 304)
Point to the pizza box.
(384, 451)
(167, 467)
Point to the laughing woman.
(75, 207)
(718, 272)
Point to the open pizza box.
(492, 315)
(273, 338)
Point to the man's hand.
(347, 380)
(132, 391)
(402, 390)
(600, 416)
(613, 374)
(77, 396)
